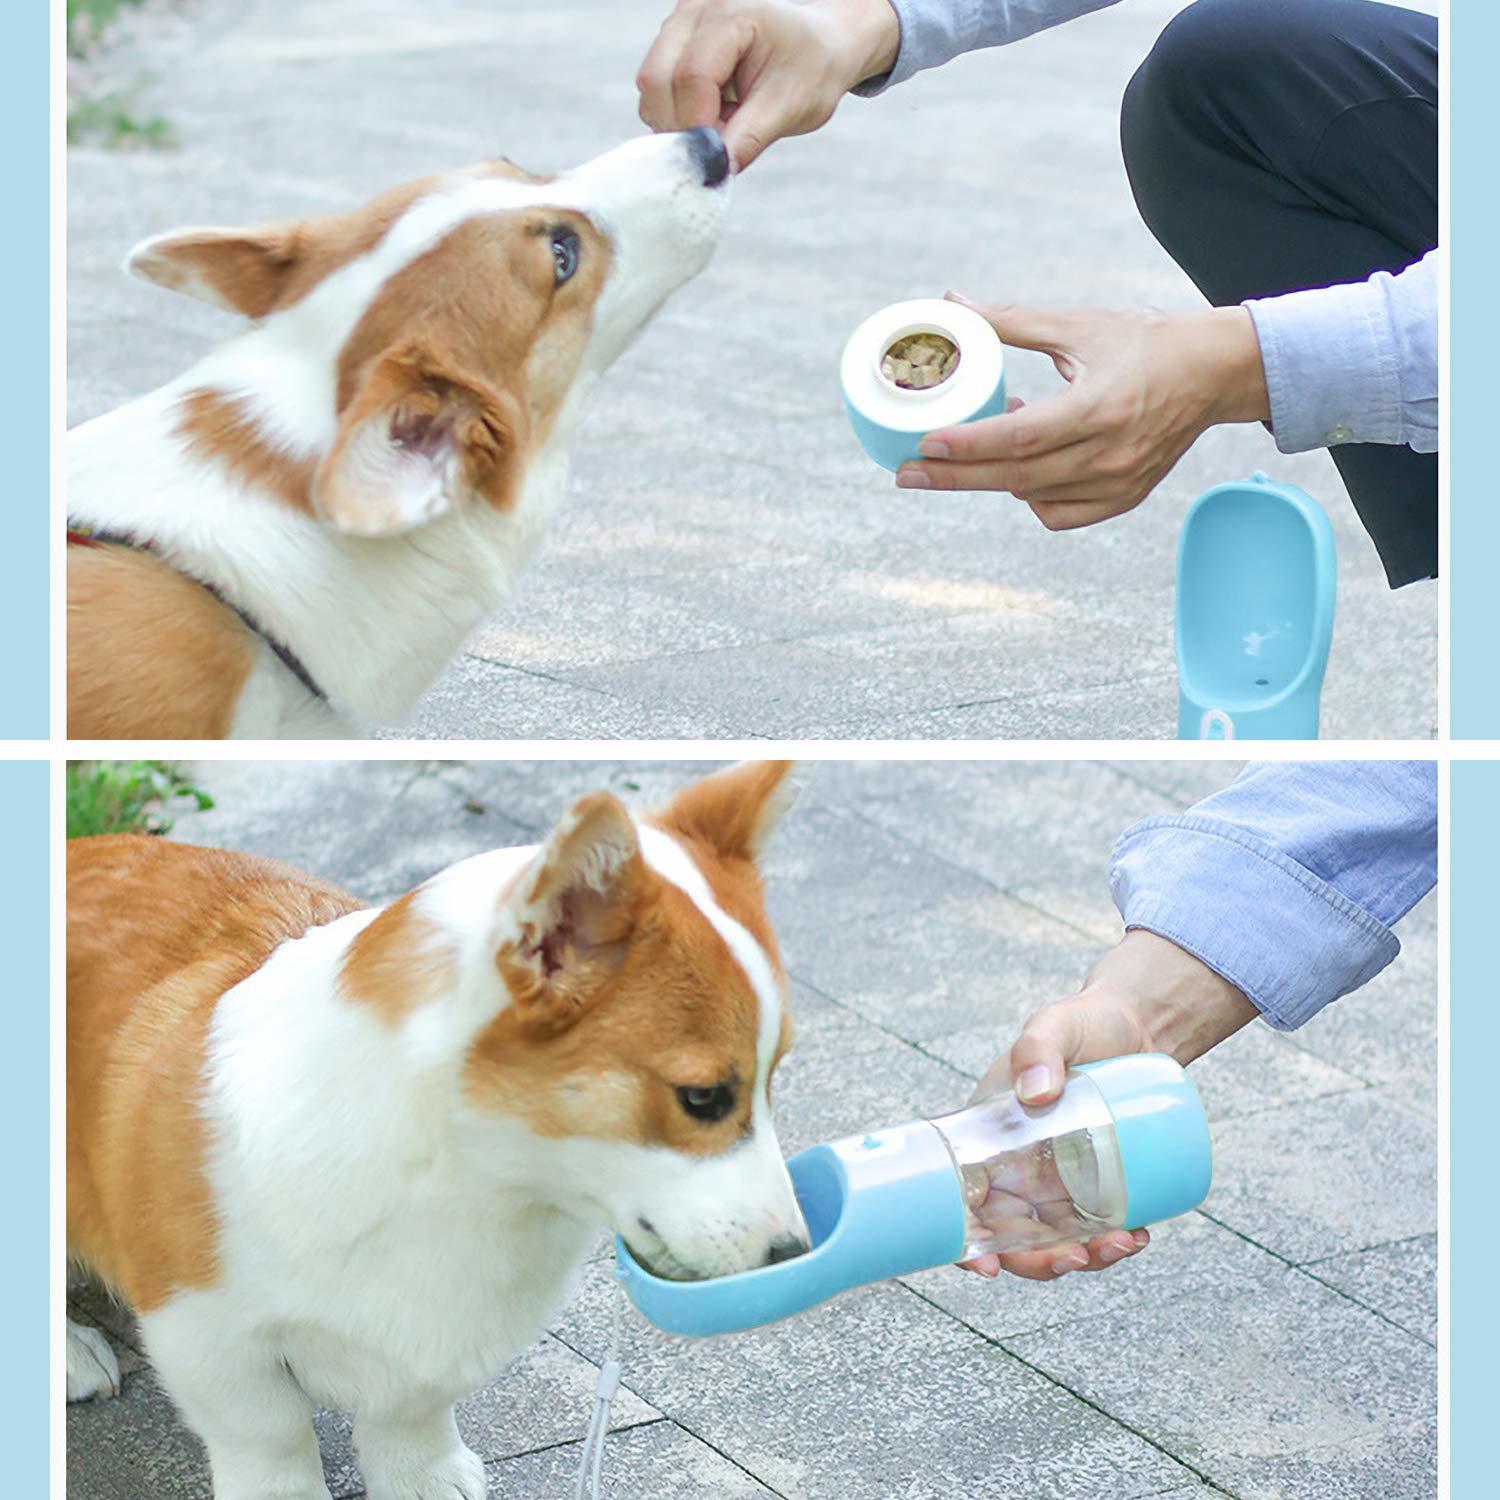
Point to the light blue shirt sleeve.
(1355, 363)
(936, 31)
(1288, 882)
(1344, 364)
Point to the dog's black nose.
(707, 151)
(787, 1247)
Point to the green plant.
(128, 796)
(107, 120)
(99, 114)
(88, 20)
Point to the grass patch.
(109, 120)
(129, 796)
(100, 113)
(88, 20)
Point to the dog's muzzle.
(706, 149)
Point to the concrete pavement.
(1279, 1344)
(729, 563)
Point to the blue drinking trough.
(1255, 598)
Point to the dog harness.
(80, 535)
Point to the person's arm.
(764, 69)
(1355, 363)
(1288, 882)
(1271, 898)
(1142, 387)
(934, 32)
(1352, 363)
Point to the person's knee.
(1193, 60)
(1187, 86)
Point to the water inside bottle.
(1046, 1191)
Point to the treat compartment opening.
(918, 358)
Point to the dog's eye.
(564, 254)
(710, 1103)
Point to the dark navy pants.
(1274, 145)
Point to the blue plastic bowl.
(1256, 577)
(876, 1205)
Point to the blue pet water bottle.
(1126, 1145)
(1255, 598)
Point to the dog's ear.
(243, 270)
(417, 438)
(503, 166)
(568, 921)
(736, 811)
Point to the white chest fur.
(361, 1241)
(374, 620)
(412, 1315)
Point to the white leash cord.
(591, 1466)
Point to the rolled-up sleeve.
(1288, 882)
(934, 32)
(1356, 363)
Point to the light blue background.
(24, 1074)
(1474, 1031)
(24, 615)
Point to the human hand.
(762, 69)
(1145, 995)
(1142, 386)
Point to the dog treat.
(976, 1182)
(919, 361)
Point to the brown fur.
(258, 271)
(470, 336)
(400, 961)
(627, 996)
(473, 344)
(151, 654)
(217, 428)
(475, 338)
(650, 1000)
(722, 820)
(675, 1011)
(157, 932)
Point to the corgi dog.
(350, 1155)
(295, 538)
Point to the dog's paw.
(273, 1487)
(93, 1369)
(261, 1486)
(457, 1476)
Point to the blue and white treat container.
(888, 419)
(1126, 1145)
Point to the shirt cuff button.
(1339, 434)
